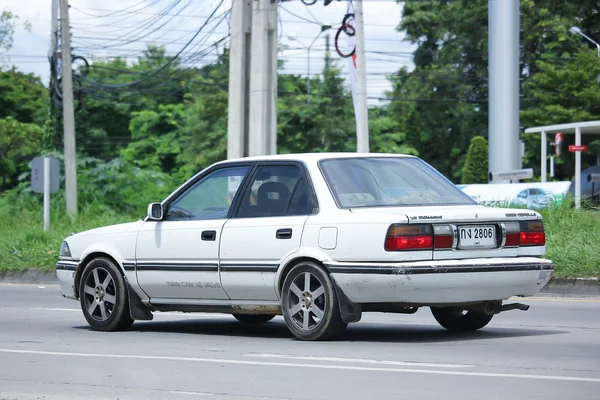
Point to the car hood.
(127, 227)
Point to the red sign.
(573, 148)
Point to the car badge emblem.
(476, 216)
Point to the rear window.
(401, 181)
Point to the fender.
(304, 252)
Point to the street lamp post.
(577, 30)
(293, 37)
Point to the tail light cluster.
(525, 233)
(404, 237)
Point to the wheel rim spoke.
(89, 290)
(305, 319)
(296, 290)
(319, 292)
(103, 310)
(317, 311)
(307, 281)
(107, 281)
(92, 307)
(109, 298)
(294, 310)
(96, 277)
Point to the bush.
(475, 169)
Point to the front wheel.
(254, 318)
(459, 320)
(103, 296)
(309, 303)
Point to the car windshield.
(389, 181)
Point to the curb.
(556, 287)
(31, 275)
(572, 287)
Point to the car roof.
(315, 157)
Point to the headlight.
(64, 250)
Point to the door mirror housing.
(155, 211)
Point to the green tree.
(19, 143)
(23, 97)
(442, 103)
(475, 169)
(8, 25)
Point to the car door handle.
(209, 235)
(283, 233)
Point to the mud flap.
(137, 309)
(349, 311)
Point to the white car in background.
(319, 238)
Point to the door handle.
(283, 233)
(209, 235)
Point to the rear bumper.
(65, 272)
(442, 282)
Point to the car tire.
(309, 303)
(254, 318)
(459, 320)
(103, 296)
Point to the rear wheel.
(459, 320)
(309, 303)
(254, 318)
(103, 296)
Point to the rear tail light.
(532, 233)
(409, 237)
(443, 237)
(419, 237)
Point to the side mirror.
(155, 211)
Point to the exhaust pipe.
(493, 307)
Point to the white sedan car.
(319, 238)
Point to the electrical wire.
(164, 66)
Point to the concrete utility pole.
(503, 42)
(263, 79)
(239, 79)
(54, 29)
(362, 117)
(68, 110)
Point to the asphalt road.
(47, 351)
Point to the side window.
(523, 194)
(210, 198)
(275, 191)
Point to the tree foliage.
(19, 143)
(475, 169)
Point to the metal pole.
(503, 18)
(239, 73)
(577, 168)
(362, 118)
(263, 89)
(54, 29)
(552, 167)
(308, 77)
(46, 193)
(544, 156)
(68, 110)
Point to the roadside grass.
(23, 242)
(573, 241)
(573, 236)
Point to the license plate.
(476, 237)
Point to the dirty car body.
(317, 238)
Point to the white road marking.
(302, 365)
(361, 360)
(192, 393)
(56, 309)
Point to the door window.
(275, 191)
(210, 198)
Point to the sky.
(108, 28)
